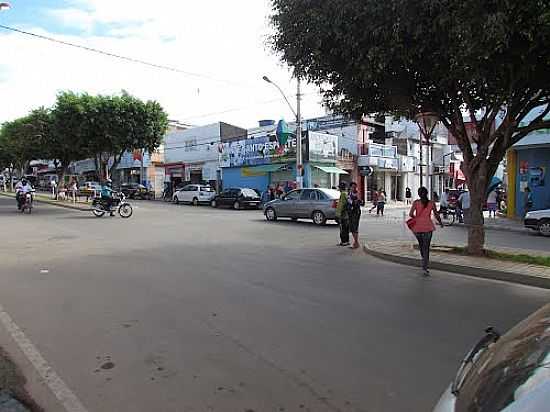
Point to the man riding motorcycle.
(21, 189)
(107, 195)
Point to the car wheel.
(270, 214)
(319, 218)
(213, 203)
(195, 201)
(544, 228)
(237, 205)
(176, 200)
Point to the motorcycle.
(120, 205)
(26, 202)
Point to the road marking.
(59, 388)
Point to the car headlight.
(528, 215)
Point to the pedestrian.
(492, 203)
(74, 189)
(279, 192)
(527, 201)
(354, 208)
(408, 195)
(435, 197)
(53, 185)
(342, 213)
(422, 226)
(444, 202)
(464, 207)
(381, 203)
(267, 195)
(374, 200)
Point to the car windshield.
(516, 364)
(249, 193)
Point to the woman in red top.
(423, 226)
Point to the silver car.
(318, 205)
(509, 373)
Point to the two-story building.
(194, 155)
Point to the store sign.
(257, 151)
(322, 147)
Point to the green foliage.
(79, 126)
(483, 58)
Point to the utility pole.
(421, 161)
(299, 163)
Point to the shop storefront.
(264, 161)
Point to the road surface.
(185, 308)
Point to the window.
(309, 195)
(235, 192)
(206, 189)
(294, 195)
(191, 145)
(249, 193)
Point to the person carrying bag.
(421, 224)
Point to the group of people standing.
(420, 220)
(348, 213)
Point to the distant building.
(193, 155)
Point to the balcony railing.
(377, 150)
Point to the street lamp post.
(426, 123)
(298, 115)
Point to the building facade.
(528, 164)
(193, 155)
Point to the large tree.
(114, 125)
(67, 137)
(486, 60)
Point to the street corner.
(521, 266)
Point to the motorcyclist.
(21, 189)
(107, 195)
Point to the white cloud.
(220, 39)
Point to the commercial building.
(193, 155)
(528, 164)
(266, 160)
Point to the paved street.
(198, 309)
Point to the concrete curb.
(464, 270)
(53, 203)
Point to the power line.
(236, 109)
(121, 57)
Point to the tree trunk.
(476, 231)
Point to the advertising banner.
(257, 151)
(322, 147)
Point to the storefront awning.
(332, 169)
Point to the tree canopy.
(475, 58)
(81, 126)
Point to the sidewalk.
(398, 212)
(403, 252)
(41, 198)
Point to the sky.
(221, 46)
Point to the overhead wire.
(122, 57)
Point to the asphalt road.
(196, 309)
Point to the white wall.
(198, 139)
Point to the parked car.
(508, 373)
(538, 220)
(238, 198)
(136, 191)
(316, 204)
(194, 194)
